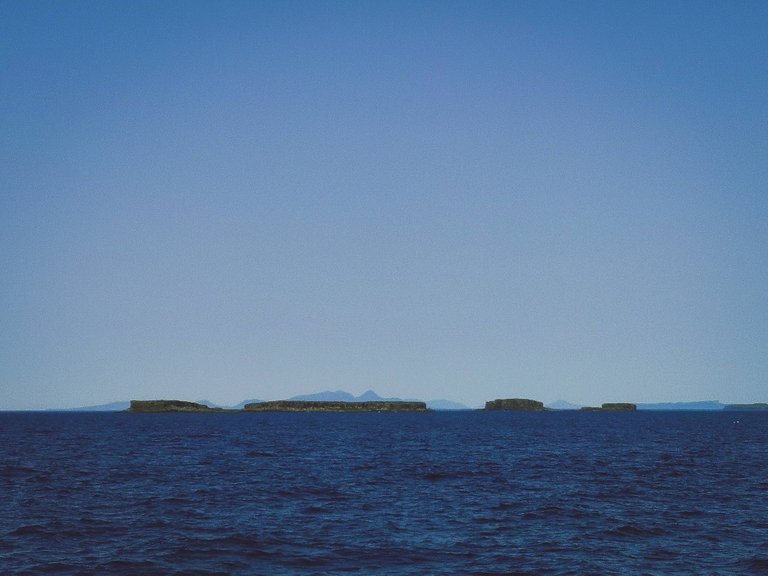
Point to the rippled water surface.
(437, 493)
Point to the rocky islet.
(500, 404)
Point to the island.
(500, 404)
(611, 407)
(515, 404)
(171, 406)
(338, 406)
(160, 406)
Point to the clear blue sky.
(468, 200)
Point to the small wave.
(156, 524)
(551, 512)
(662, 554)
(487, 520)
(260, 454)
(632, 531)
(441, 475)
(326, 492)
(506, 505)
(692, 513)
(756, 565)
(227, 547)
(15, 471)
(505, 573)
(61, 568)
(128, 567)
(32, 530)
(437, 476)
(174, 501)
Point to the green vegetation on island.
(160, 406)
(612, 407)
(145, 406)
(382, 405)
(516, 404)
(340, 406)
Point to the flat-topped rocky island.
(153, 406)
(159, 406)
(501, 404)
(611, 407)
(526, 405)
(324, 406)
(515, 404)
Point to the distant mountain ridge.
(111, 407)
(242, 404)
(342, 396)
(701, 405)
(563, 405)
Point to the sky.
(463, 200)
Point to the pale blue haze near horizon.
(463, 200)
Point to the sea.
(468, 492)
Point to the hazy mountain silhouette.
(209, 403)
(242, 404)
(703, 405)
(563, 405)
(326, 396)
(111, 407)
(342, 396)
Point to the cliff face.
(319, 406)
(518, 404)
(169, 406)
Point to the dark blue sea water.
(440, 493)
